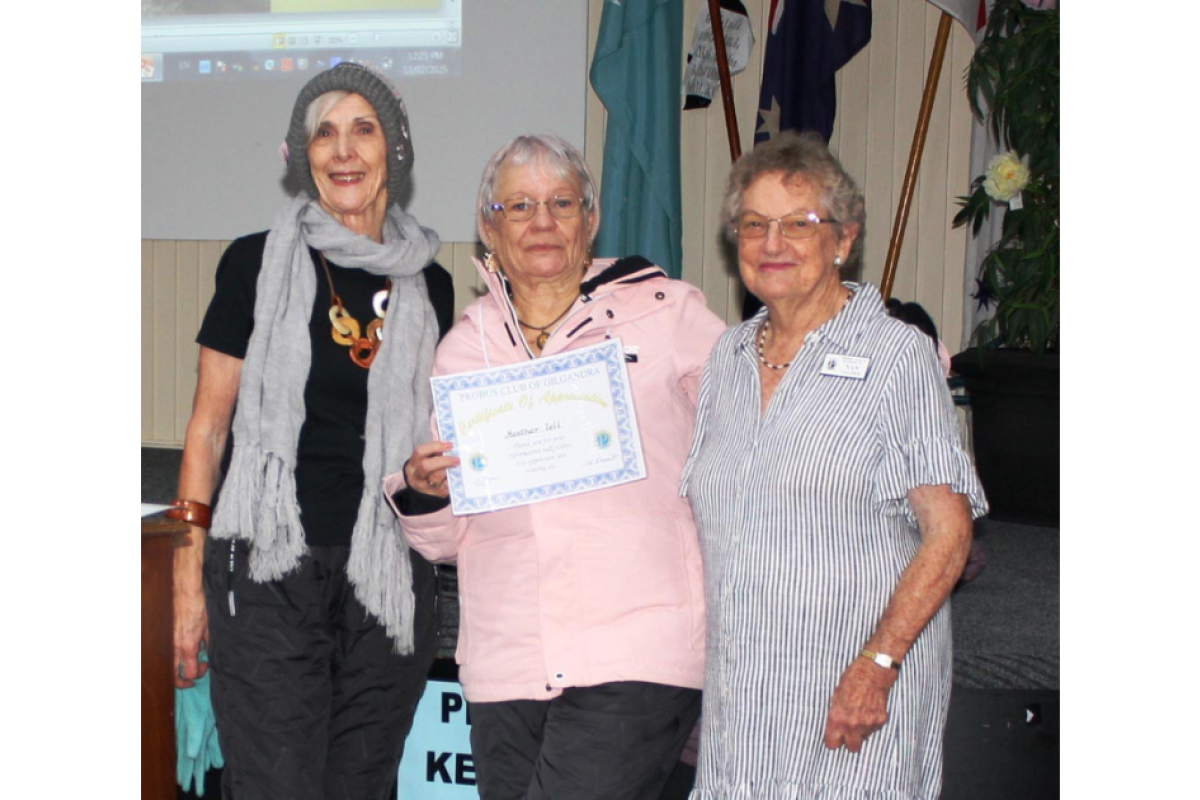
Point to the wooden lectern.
(159, 539)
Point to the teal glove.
(196, 745)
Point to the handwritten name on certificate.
(548, 427)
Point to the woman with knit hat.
(318, 621)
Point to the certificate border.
(611, 354)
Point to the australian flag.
(808, 41)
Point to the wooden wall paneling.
(911, 66)
(206, 279)
(851, 129)
(719, 280)
(850, 138)
(163, 325)
(148, 338)
(958, 181)
(941, 249)
(456, 258)
(878, 184)
(928, 234)
(187, 322)
(468, 285)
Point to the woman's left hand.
(859, 705)
(425, 470)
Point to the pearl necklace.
(762, 337)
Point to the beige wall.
(879, 94)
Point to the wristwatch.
(882, 659)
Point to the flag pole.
(914, 156)
(718, 30)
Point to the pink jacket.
(596, 587)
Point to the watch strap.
(882, 659)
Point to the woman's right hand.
(191, 615)
(207, 431)
(425, 470)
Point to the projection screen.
(219, 78)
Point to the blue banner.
(437, 763)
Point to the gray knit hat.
(388, 107)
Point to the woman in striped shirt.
(835, 504)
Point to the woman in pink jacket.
(581, 641)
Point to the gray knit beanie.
(388, 107)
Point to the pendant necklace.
(544, 330)
(346, 329)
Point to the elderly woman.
(581, 641)
(834, 502)
(319, 621)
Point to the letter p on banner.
(437, 761)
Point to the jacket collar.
(603, 279)
(603, 276)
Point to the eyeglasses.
(520, 209)
(793, 226)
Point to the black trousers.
(311, 701)
(615, 741)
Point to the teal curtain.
(636, 72)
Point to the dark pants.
(615, 741)
(311, 701)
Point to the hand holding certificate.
(548, 427)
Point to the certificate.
(548, 427)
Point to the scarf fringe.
(380, 570)
(263, 511)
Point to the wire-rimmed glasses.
(797, 225)
(520, 209)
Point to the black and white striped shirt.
(806, 528)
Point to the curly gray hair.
(800, 158)
(544, 148)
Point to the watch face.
(881, 659)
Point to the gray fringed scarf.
(258, 502)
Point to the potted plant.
(1011, 373)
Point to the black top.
(329, 475)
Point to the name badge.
(845, 366)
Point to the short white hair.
(543, 148)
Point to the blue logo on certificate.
(550, 427)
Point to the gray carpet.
(1006, 624)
